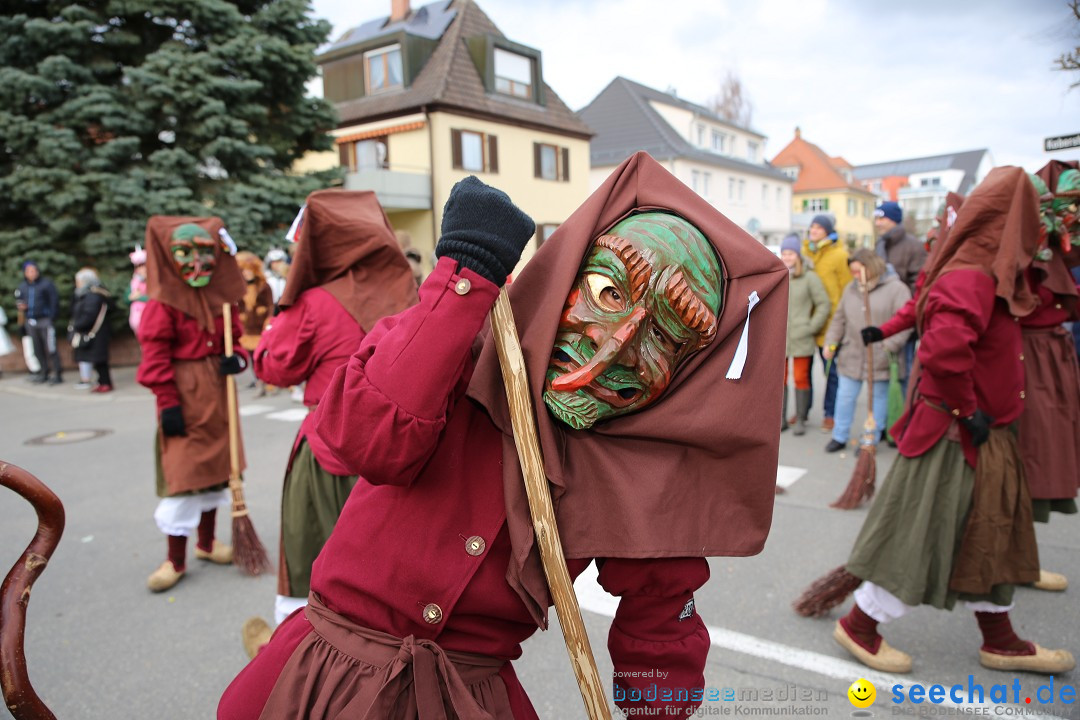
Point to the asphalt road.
(100, 646)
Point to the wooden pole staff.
(512, 363)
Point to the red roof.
(817, 171)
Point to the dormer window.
(382, 69)
(513, 74)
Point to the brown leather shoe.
(827, 425)
(164, 577)
(1052, 581)
(220, 553)
(1051, 662)
(886, 659)
(255, 633)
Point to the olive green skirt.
(311, 502)
(914, 529)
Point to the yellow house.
(429, 96)
(825, 185)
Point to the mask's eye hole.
(665, 341)
(604, 293)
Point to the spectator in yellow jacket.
(830, 263)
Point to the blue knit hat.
(28, 263)
(890, 210)
(826, 223)
(791, 242)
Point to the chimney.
(798, 132)
(399, 10)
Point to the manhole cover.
(63, 437)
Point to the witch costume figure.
(953, 520)
(631, 316)
(1049, 428)
(347, 274)
(190, 275)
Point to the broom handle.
(239, 506)
(869, 351)
(512, 363)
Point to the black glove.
(979, 427)
(172, 422)
(483, 230)
(871, 334)
(232, 364)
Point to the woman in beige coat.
(887, 295)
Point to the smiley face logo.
(862, 693)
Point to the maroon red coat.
(306, 343)
(969, 358)
(422, 548)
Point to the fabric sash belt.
(410, 666)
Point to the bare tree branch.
(1070, 61)
(732, 103)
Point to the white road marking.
(290, 415)
(595, 599)
(786, 476)
(246, 410)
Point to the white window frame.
(512, 86)
(381, 53)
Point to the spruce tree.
(115, 110)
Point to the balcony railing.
(398, 187)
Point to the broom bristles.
(861, 485)
(248, 553)
(825, 593)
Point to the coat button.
(1057, 306)
(475, 545)
(463, 286)
(432, 614)
(1022, 396)
(1021, 357)
(210, 343)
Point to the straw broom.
(512, 363)
(861, 485)
(248, 553)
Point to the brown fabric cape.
(1055, 273)
(163, 281)
(996, 232)
(691, 475)
(346, 245)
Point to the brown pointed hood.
(346, 246)
(163, 281)
(692, 474)
(996, 232)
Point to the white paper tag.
(739, 361)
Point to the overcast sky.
(865, 80)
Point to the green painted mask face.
(645, 300)
(195, 254)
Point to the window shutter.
(804, 204)
(536, 160)
(493, 154)
(455, 149)
(566, 164)
(343, 154)
(825, 204)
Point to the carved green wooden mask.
(195, 254)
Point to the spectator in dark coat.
(90, 326)
(896, 245)
(37, 299)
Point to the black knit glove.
(172, 422)
(871, 334)
(979, 427)
(483, 230)
(232, 364)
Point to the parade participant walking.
(37, 299)
(347, 274)
(953, 520)
(190, 275)
(887, 296)
(137, 288)
(830, 263)
(91, 331)
(808, 311)
(257, 307)
(431, 579)
(1049, 428)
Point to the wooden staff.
(248, 552)
(19, 695)
(516, 381)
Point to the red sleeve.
(958, 310)
(385, 409)
(287, 352)
(157, 333)
(658, 642)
